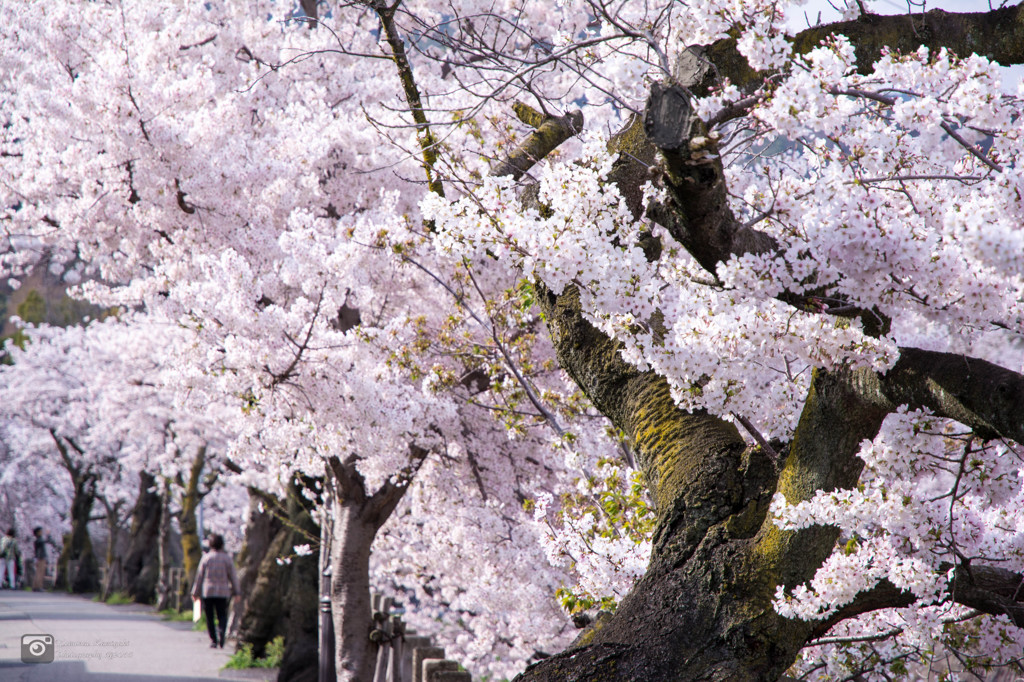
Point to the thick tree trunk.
(703, 610)
(302, 600)
(164, 589)
(260, 576)
(112, 581)
(356, 518)
(191, 550)
(281, 599)
(355, 654)
(77, 544)
(142, 560)
(263, 618)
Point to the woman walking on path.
(216, 582)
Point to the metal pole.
(326, 645)
(325, 624)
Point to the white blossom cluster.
(929, 497)
(606, 556)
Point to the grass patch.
(120, 598)
(243, 658)
(171, 614)
(115, 598)
(184, 617)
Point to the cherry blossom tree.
(90, 399)
(799, 308)
(47, 397)
(346, 345)
(33, 491)
(790, 280)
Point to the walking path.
(94, 642)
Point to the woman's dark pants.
(218, 605)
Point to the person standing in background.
(39, 553)
(215, 583)
(9, 556)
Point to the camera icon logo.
(37, 648)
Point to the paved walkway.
(94, 642)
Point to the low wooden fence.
(171, 589)
(404, 656)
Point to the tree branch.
(699, 216)
(351, 486)
(986, 589)
(390, 494)
(549, 133)
(428, 145)
(822, 456)
(997, 34)
(992, 590)
(980, 394)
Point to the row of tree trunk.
(279, 598)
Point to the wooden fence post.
(412, 642)
(422, 654)
(435, 670)
(395, 673)
(401, 652)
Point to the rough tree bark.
(142, 561)
(191, 496)
(164, 589)
(356, 517)
(260, 577)
(703, 610)
(281, 599)
(77, 543)
(302, 598)
(114, 575)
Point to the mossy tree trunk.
(85, 577)
(141, 560)
(112, 582)
(302, 599)
(192, 495)
(260, 579)
(703, 610)
(281, 598)
(164, 588)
